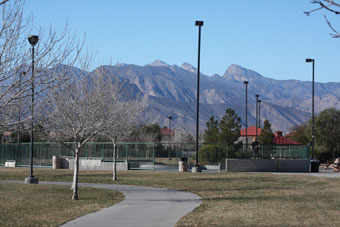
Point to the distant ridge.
(171, 90)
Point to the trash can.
(314, 166)
(183, 165)
(56, 162)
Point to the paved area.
(143, 206)
(322, 173)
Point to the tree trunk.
(114, 178)
(75, 176)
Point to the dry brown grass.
(230, 199)
(49, 205)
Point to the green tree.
(212, 133)
(147, 133)
(299, 133)
(230, 126)
(327, 125)
(267, 135)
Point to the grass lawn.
(49, 205)
(229, 199)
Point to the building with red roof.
(278, 139)
(282, 140)
(251, 131)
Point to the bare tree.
(124, 106)
(124, 110)
(331, 6)
(15, 58)
(90, 106)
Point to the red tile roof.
(284, 140)
(166, 132)
(251, 131)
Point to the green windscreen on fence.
(166, 153)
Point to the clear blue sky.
(269, 36)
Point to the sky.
(270, 37)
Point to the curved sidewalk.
(143, 206)
(322, 173)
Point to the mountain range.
(171, 90)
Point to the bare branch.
(51, 52)
(330, 4)
(337, 34)
(3, 2)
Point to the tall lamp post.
(257, 100)
(313, 62)
(199, 24)
(170, 118)
(33, 40)
(246, 83)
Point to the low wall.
(267, 165)
(97, 164)
(10, 163)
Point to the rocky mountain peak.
(159, 63)
(189, 67)
(238, 73)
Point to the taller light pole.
(246, 83)
(199, 24)
(170, 118)
(257, 100)
(313, 62)
(33, 40)
(170, 146)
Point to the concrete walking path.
(143, 206)
(322, 173)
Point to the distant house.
(278, 138)
(6, 137)
(165, 135)
(251, 133)
(283, 140)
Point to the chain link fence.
(150, 155)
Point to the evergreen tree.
(327, 125)
(300, 133)
(267, 135)
(212, 133)
(230, 126)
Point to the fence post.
(126, 152)
(40, 154)
(227, 151)
(153, 154)
(102, 152)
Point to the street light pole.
(257, 98)
(199, 24)
(313, 62)
(33, 40)
(246, 83)
(259, 113)
(170, 117)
